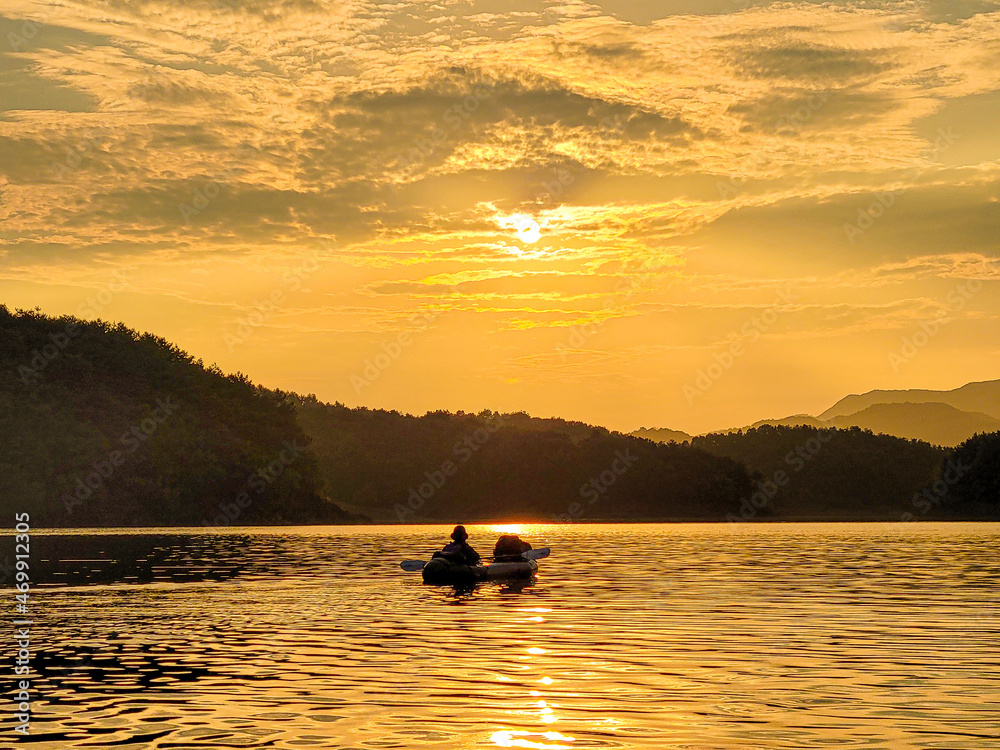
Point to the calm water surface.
(658, 636)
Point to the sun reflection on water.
(631, 663)
(507, 528)
(508, 738)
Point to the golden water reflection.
(507, 528)
(762, 638)
(507, 738)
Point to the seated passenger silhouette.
(509, 548)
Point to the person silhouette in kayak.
(459, 549)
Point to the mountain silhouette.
(939, 417)
(935, 423)
(662, 435)
(982, 397)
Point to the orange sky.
(589, 210)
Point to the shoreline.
(473, 522)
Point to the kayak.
(443, 572)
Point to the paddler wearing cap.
(458, 550)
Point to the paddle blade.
(412, 566)
(537, 554)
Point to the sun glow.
(528, 230)
(508, 528)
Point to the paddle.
(536, 554)
(412, 566)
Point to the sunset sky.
(686, 214)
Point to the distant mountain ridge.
(982, 397)
(662, 435)
(932, 422)
(938, 417)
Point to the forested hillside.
(835, 473)
(969, 483)
(104, 426)
(101, 425)
(492, 466)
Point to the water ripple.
(660, 636)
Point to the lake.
(687, 636)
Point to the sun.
(528, 230)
